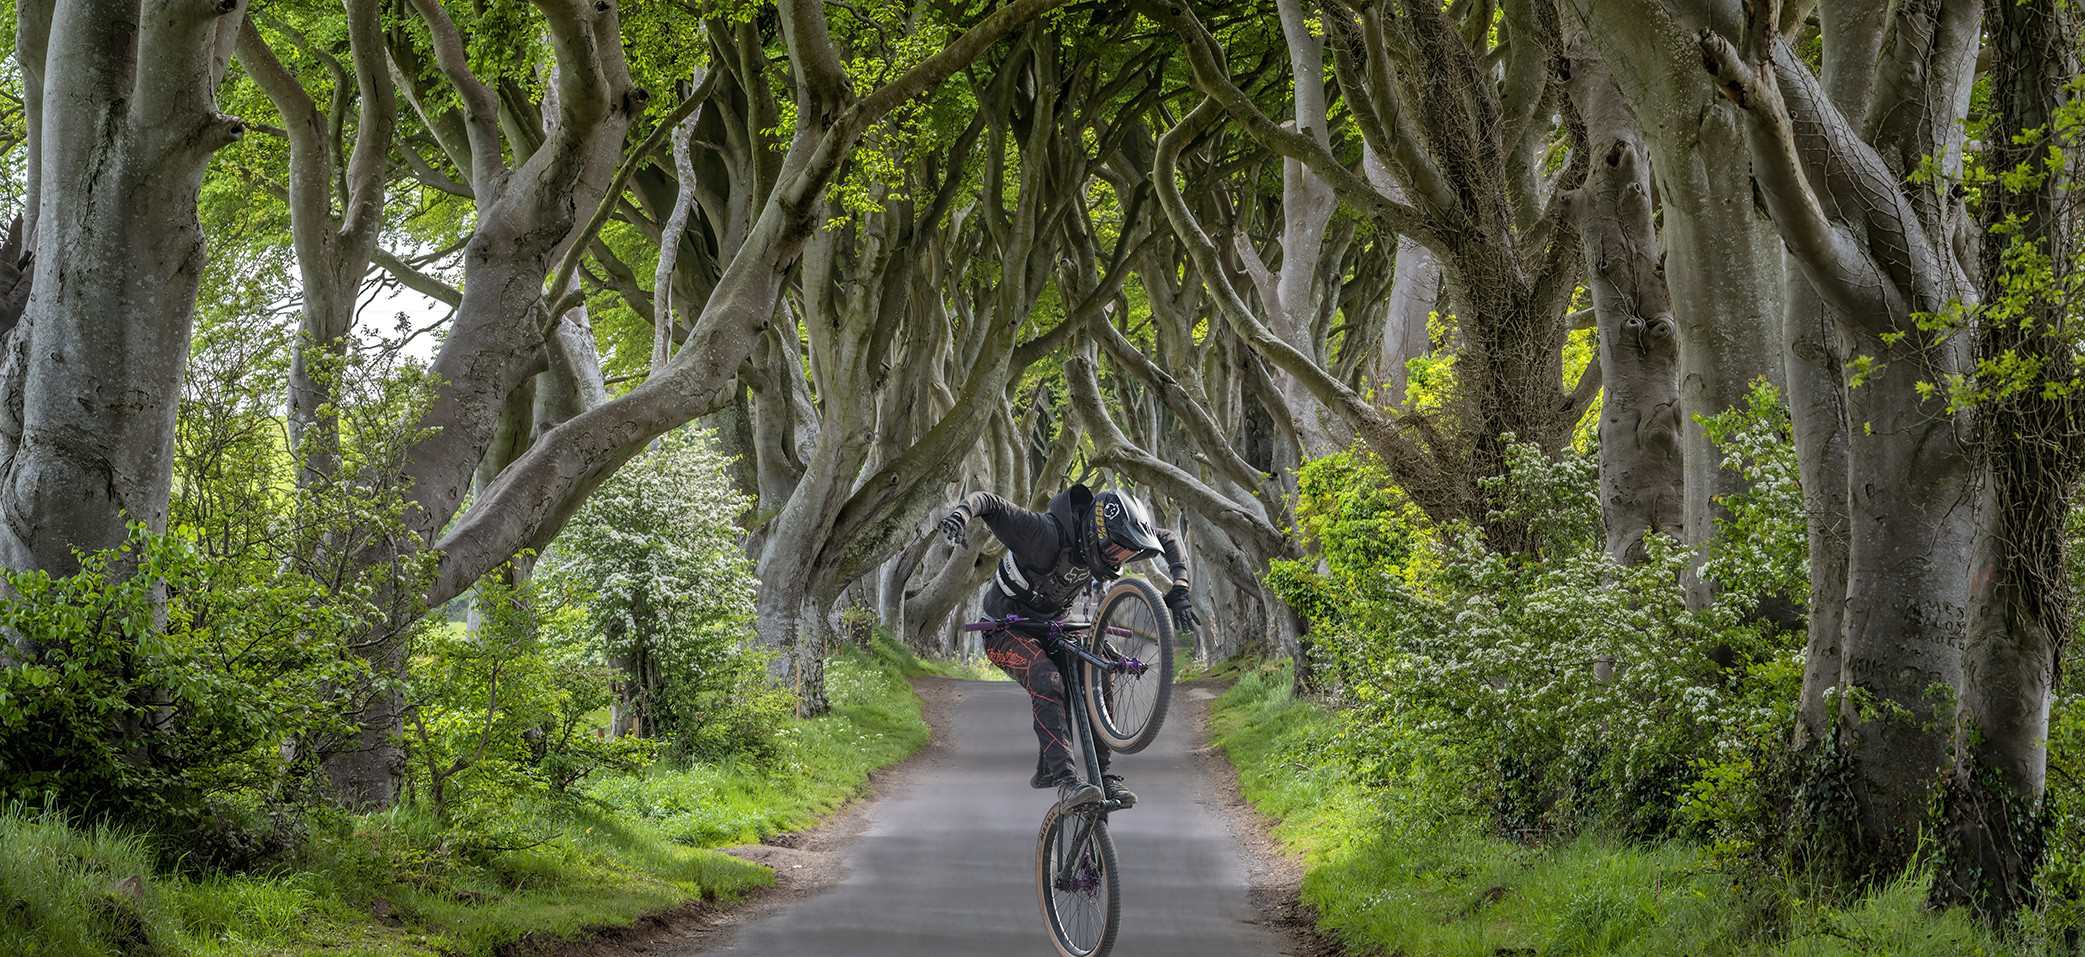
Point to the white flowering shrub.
(1555, 687)
(656, 558)
(1764, 549)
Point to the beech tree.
(1870, 217)
(1466, 145)
(97, 299)
(1721, 258)
(2026, 387)
(1641, 485)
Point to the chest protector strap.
(1012, 583)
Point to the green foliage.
(1392, 868)
(2061, 880)
(501, 721)
(207, 664)
(1431, 377)
(1763, 549)
(261, 530)
(654, 560)
(1351, 515)
(147, 680)
(664, 49)
(65, 892)
(411, 882)
(387, 884)
(1554, 688)
(820, 762)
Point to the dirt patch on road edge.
(1277, 877)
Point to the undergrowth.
(1407, 867)
(397, 883)
(874, 721)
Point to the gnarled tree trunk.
(2033, 451)
(1640, 461)
(1722, 259)
(1879, 252)
(122, 113)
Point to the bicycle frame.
(1080, 720)
(1061, 652)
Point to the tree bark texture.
(1641, 487)
(1722, 259)
(1414, 296)
(1294, 289)
(2033, 451)
(1815, 364)
(1879, 252)
(124, 120)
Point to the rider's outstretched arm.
(1030, 536)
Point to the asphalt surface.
(946, 862)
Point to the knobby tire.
(1129, 709)
(1077, 881)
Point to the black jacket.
(1044, 560)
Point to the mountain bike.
(1118, 681)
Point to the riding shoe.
(1072, 792)
(1116, 792)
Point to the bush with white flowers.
(657, 558)
(1555, 688)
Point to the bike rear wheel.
(1134, 632)
(1076, 880)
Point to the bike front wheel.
(1133, 633)
(1076, 879)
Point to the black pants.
(1023, 658)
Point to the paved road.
(946, 864)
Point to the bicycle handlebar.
(1055, 627)
(1056, 636)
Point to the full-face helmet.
(1121, 530)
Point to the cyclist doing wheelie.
(1050, 558)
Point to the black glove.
(952, 526)
(1184, 617)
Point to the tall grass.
(1402, 869)
(874, 721)
(397, 883)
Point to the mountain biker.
(1051, 557)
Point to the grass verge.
(1389, 876)
(400, 883)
